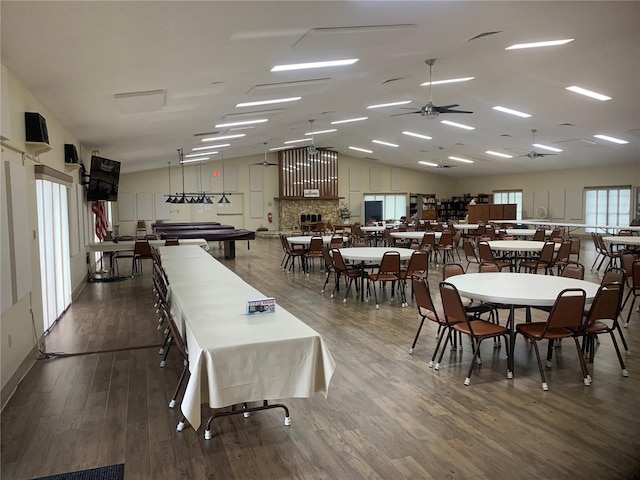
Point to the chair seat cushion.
(481, 328)
(534, 330)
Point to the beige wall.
(16, 323)
(157, 181)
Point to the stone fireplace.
(290, 210)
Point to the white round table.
(524, 232)
(306, 239)
(519, 245)
(623, 240)
(466, 226)
(414, 235)
(518, 289)
(373, 255)
(374, 228)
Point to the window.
(393, 206)
(607, 206)
(53, 223)
(510, 196)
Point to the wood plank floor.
(387, 416)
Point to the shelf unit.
(456, 208)
(422, 204)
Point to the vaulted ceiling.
(196, 61)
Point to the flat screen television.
(104, 177)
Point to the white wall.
(16, 327)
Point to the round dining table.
(524, 232)
(518, 289)
(371, 256)
(519, 245)
(414, 235)
(306, 239)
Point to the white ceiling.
(209, 56)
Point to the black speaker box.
(303, 218)
(314, 217)
(319, 217)
(70, 153)
(35, 127)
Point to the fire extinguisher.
(270, 217)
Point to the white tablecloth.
(125, 245)
(234, 357)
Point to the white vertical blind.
(53, 224)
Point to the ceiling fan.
(533, 153)
(430, 110)
(265, 163)
(440, 164)
(312, 149)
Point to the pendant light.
(224, 201)
(193, 198)
(169, 197)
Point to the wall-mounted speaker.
(70, 153)
(35, 128)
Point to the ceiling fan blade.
(448, 106)
(455, 111)
(407, 113)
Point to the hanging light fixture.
(199, 197)
(224, 201)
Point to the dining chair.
(428, 311)
(180, 343)
(336, 241)
(602, 317)
(539, 235)
(169, 241)
(151, 236)
(575, 249)
(349, 272)
(455, 243)
(388, 271)
(292, 254)
(613, 257)
(469, 253)
(573, 270)
(543, 261)
(141, 229)
(445, 247)
(634, 289)
(329, 268)
(141, 251)
(564, 321)
(313, 252)
(473, 308)
(478, 330)
(418, 266)
(485, 254)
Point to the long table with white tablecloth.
(235, 357)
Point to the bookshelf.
(456, 208)
(422, 204)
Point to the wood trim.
(44, 172)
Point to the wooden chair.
(418, 266)
(388, 271)
(564, 321)
(349, 272)
(543, 261)
(427, 311)
(602, 317)
(479, 330)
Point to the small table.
(515, 289)
(371, 255)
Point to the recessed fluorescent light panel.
(451, 80)
(200, 154)
(220, 145)
(511, 112)
(192, 160)
(322, 131)
(458, 159)
(611, 139)
(546, 147)
(275, 149)
(298, 140)
(550, 43)
(226, 137)
(380, 142)
(588, 93)
(417, 135)
(268, 102)
(428, 164)
(303, 66)
(498, 154)
(349, 120)
(246, 122)
(364, 150)
(459, 125)
(392, 104)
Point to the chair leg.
(625, 372)
(476, 357)
(545, 386)
(415, 340)
(586, 378)
(444, 347)
(633, 302)
(185, 369)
